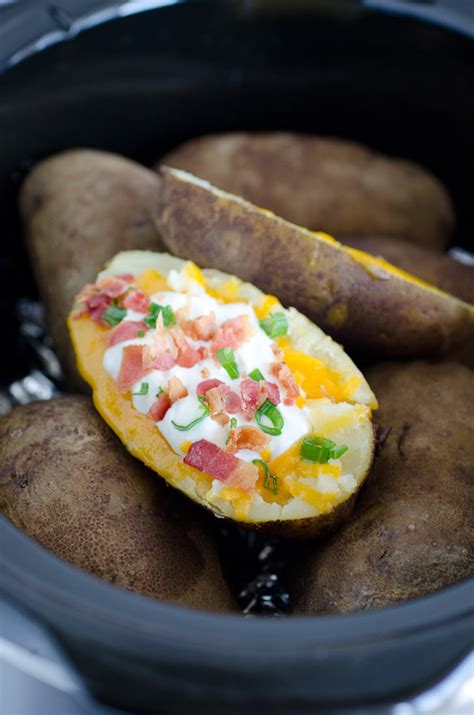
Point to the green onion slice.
(269, 480)
(275, 325)
(143, 389)
(160, 392)
(269, 412)
(226, 358)
(256, 375)
(233, 425)
(114, 315)
(321, 450)
(154, 310)
(140, 333)
(205, 413)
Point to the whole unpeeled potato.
(79, 208)
(66, 481)
(325, 184)
(412, 530)
(424, 262)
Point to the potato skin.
(411, 532)
(79, 208)
(372, 311)
(325, 184)
(433, 266)
(66, 482)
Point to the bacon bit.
(288, 401)
(162, 353)
(278, 353)
(160, 407)
(203, 327)
(96, 307)
(232, 334)
(232, 401)
(205, 372)
(247, 438)
(254, 395)
(136, 300)
(126, 330)
(215, 401)
(221, 418)
(273, 392)
(129, 277)
(206, 385)
(112, 287)
(287, 379)
(203, 352)
(176, 389)
(187, 356)
(131, 367)
(211, 459)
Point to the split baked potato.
(363, 302)
(66, 482)
(79, 208)
(412, 531)
(325, 184)
(246, 407)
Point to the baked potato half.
(246, 407)
(325, 184)
(364, 302)
(411, 532)
(66, 482)
(79, 208)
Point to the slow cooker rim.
(36, 584)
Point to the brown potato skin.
(66, 482)
(411, 532)
(433, 266)
(383, 316)
(325, 184)
(79, 208)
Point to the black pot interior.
(142, 84)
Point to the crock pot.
(134, 79)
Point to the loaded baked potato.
(246, 407)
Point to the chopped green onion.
(321, 450)
(339, 451)
(275, 325)
(114, 314)
(269, 477)
(154, 309)
(269, 412)
(256, 375)
(206, 412)
(160, 392)
(168, 316)
(143, 389)
(226, 358)
(140, 333)
(233, 425)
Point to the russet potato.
(67, 482)
(412, 531)
(78, 209)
